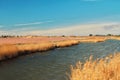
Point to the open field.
(104, 69)
(22, 40)
(12, 47)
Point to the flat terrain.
(31, 39)
(28, 39)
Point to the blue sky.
(42, 17)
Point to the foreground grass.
(103, 69)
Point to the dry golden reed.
(66, 43)
(8, 51)
(33, 47)
(11, 50)
(103, 69)
(93, 39)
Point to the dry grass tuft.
(93, 39)
(35, 47)
(66, 43)
(8, 51)
(103, 69)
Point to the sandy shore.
(13, 47)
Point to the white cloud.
(33, 23)
(82, 29)
(20, 30)
(26, 24)
(85, 29)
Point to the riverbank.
(13, 47)
(8, 51)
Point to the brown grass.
(93, 39)
(11, 47)
(103, 69)
(66, 43)
(34, 47)
(26, 40)
(11, 50)
(8, 51)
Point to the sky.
(59, 17)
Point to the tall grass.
(11, 50)
(34, 47)
(93, 39)
(66, 43)
(8, 51)
(103, 69)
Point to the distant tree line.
(103, 35)
(12, 36)
(8, 36)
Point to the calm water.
(53, 65)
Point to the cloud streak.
(33, 23)
(85, 29)
(27, 24)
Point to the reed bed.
(8, 51)
(13, 50)
(66, 43)
(94, 39)
(34, 47)
(21, 46)
(104, 69)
